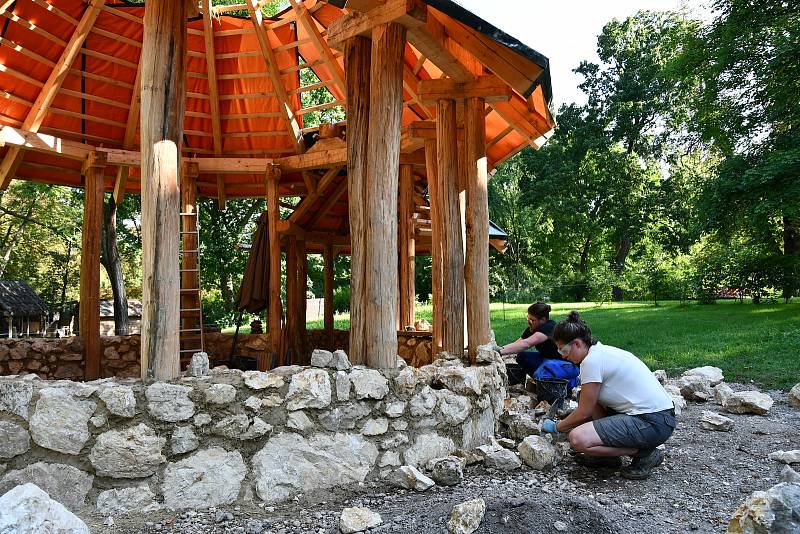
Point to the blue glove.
(549, 426)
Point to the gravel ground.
(704, 478)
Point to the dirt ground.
(705, 476)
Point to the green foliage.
(341, 299)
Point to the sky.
(564, 30)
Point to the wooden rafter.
(213, 93)
(130, 137)
(329, 204)
(59, 73)
(309, 23)
(302, 208)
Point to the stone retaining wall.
(121, 445)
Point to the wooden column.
(274, 309)
(383, 154)
(329, 258)
(431, 167)
(357, 53)
(93, 170)
(163, 93)
(476, 265)
(291, 296)
(301, 303)
(406, 248)
(189, 241)
(450, 234)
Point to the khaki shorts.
(643, 431)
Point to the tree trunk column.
(406, 249)
(383, 154)
(476, 266)
(357, 54)
(274, 311)
(302, 303)
(450, 234)
(93, 170)
(163, 94)
(431, 167)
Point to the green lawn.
(759, 343)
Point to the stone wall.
(229, 436)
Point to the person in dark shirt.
(538, 335)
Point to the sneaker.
(642, 465)
(596, 462)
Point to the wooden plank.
(213, 93)
(93, 171)
(163, 94)
(409, 13)
(382, 176)
(292, 318)
(430, 41)
(406, 246)
(272, 176)
(303, 356)
(322, 159)
(57, 76)
(450, 235)
(329, 258)
(490, 88)
(476, 221)
(312, 198)
(357, 54)
(38, 142)
(330, 202)
(436, 243)
(308, 22)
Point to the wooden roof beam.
(409, 13)
(302, 208)
(130, 137)
(332, 200)
(322, 159)
(309, 23)
(57, 76)
(490, 88)
(213, 93)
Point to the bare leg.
(584, 439)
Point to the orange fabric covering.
(92, 105)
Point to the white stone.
(375, 427)
(358, 519)
(661, 376)
(98, 420)
(309, 389)
(712, 374)
(466, 517)
(447, 471)
(64, 483)
(220, 394)
(794, 396)
(184, 440)
(201, 419)
(321, 358)
(342, 386)
(409, 477)
(460, 380)
(253, 403)
(427, 447)
(399, 424)
(560, 526)
(499, 458)
(14, 439)
(423, 402)
(262, 380)
(138, 499)
(786, 457)
(344, 417)
(289, 464)
(199, 365)
(340, 360)
(537, 452)
(169, 402)
(406, 379)
(119, 400)
(286, 370)
(789, 475)
(369, 384)
(298, 420)
(241, 427)
(394, 442)
(61, 422)
(15, 397)
(478, 429)
(131, 453)
(722, 393)
(271, 401)
(771, 511)
(210, 477)
(395, 409)
(27, 509)
(696, 388)
(749, 402)
(453, 409)
(714, 421)
(389, 459)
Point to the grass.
(749, 343)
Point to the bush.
(341, 299)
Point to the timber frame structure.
(177, 98)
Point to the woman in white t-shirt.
(622, 410)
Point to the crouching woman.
(622, 410)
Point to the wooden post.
(357, 54)
(406, 247)
(291, 297)
(163, 94)
(329, 271)
(476, 266)
(450, 234)
(302, 287)
(436, 244)
(93, 171)
(383, 153)
(274, 311)
(189, 240)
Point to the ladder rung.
(198, 349)
(187, 213)
(189, 231)
(190, 310)
(190, 330)
(195, 251)
(189, 289)
(190, 270)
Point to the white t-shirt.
(627, 385)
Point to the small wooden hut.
(174, 99)
(23, 312)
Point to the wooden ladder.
(191, 311)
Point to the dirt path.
(705, 477)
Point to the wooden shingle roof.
(17, 297)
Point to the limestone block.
(406, 379)
(64, 483)
(774, 510)
(309, 389)
(184, 440)
(130, 453)
(497, 457)
(722, 393)
(749, 402)
(241, 427)
(119, 400)
(122, 501)
(714, 421)
(169, 402)
(369, 383)
(358, 520)
(394, 442)
(201, 419)
(220, 394)
(794, 396)
(478, 429)
(395, 409)
(447, 471)
(409, 477)
(710, 373)
(211, 477)
(453, 409)
(260, 380)
(423, 402)
(537, 452)
(289, 463)
(426, 447)
(15, 396)
(199, 365)
(14, 439)
(466, 517)
(389, 459)
(298, 420)
(340, 360)
(27, 509)
(342, 386)
(321, 358)
(375, 427)
(344, 417)
(661, 376)
(786, 457)
(696, 388)
(61, 421)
